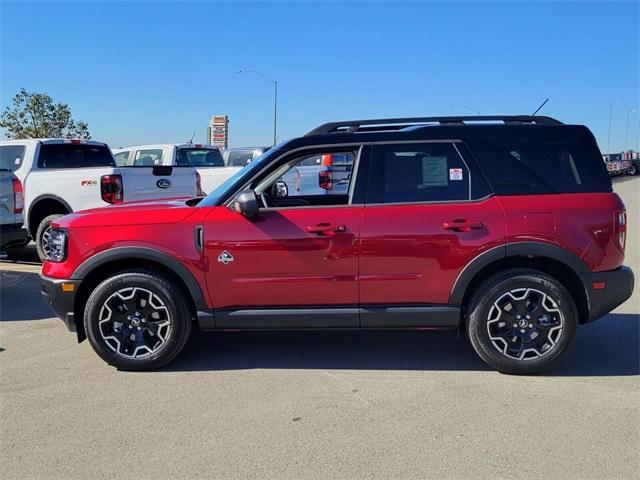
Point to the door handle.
(326, 229)
(462, 225)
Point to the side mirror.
(247, 204)
(280, 189)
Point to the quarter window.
(418, 172)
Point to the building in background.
(218, 131)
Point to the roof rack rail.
(384, 124)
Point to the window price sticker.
(455, 174)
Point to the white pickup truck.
(63, 176)
(207, 159)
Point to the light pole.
(626, 134)
(275, 100)
(468, 107)
(611, 104)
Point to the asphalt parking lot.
(315, 405)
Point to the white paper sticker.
(434, 172)
(455, 174)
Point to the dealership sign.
(219, 131)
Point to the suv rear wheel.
(521, 321)
(137, 320)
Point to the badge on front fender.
(225, 258)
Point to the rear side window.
(239, 158)
(148, 158)
(199, 157)
(542, 168)
(64, 155)
(11, 156)
(420, 172)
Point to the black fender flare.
(519, 249)
(144, 253)
(38, 199)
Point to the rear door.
(427, 215)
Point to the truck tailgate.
(212, 177)
(143, 183)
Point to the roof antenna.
(539, 108)
(191, 139)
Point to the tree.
(35, 115)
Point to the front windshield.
(236, 179)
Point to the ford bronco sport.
(506, 226)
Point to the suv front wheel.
(137, 320)
(521, 321)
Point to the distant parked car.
(615, 167)
(62, 176)
(241, 156)
(12, 231)
(207, 159)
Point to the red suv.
(504, 225)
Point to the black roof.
(495, 128)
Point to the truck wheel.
(521, 321)
(137, 320)
(633, 170)
(42, 236)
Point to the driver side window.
(322, 178)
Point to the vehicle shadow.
(609, 347)
(26, 254)
(20, 297)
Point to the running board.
(367, 317)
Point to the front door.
(295, 263)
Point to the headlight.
(57, 245)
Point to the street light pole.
(611, 104)
(468, 107)
(275, 100)
(626, 134)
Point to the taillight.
(18, 196)
(620, 227)
(325, 180)
(111, 188)
(199, 191)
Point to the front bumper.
(12, 234)
(62, 301)
(618, 288)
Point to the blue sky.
(143, 72)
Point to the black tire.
(633, 170)
(40, 239)
(113, 349)
(521, 353)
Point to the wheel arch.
(104, 264)
(550, 259)
(42, 207)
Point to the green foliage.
(35, 115)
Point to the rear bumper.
(62, 302)
(10, 234)
(618, 288)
